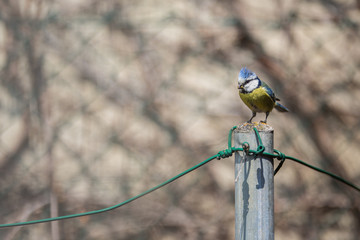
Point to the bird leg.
(254, 114)
(267, 114)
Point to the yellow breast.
(258, 100)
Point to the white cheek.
(251, 86)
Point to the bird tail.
(281, 108)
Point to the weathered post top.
(248, 127)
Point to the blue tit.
(257, 95)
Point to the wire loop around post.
(261, 148)
(281, 156)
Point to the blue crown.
(246, 73)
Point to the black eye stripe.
(249, 80)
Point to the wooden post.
(254, 185)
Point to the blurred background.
(101, 100)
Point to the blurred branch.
(11, 160)
(25, 212)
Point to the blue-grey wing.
(269, 91)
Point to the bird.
(257, 95)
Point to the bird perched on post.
(257, 95)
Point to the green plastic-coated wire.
(222, 154)
(261, 148)
(281, 156)
(324, 172)
(112, 207)
(230, 137)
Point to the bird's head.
(247, 81)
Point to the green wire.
(222, 154)
(279, 155)
(112, 207)
(324, 172)
(230, 137)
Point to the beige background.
(101, 100)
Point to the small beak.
(240, 86)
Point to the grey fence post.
(254, 185)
